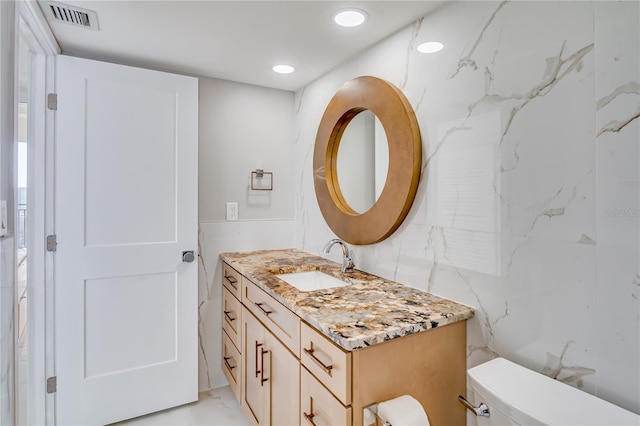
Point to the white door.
(125, 211)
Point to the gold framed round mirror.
(396, 115)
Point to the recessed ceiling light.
(430, 47)
(283, 69)
(350, 17)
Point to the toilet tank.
(519, 396)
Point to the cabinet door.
(256, 389)
(284, 379)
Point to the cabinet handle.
(262, 379)
(229, 316)
(309, 417)
(257, 346)
(327, 368)
(259, 305)
(226, 361)
(231, 280)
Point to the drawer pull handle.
(231, 280)
(327, 368)
(259, 305)
(226, 361)
(309, 417)
(226, 313)
(257, 346)
(262, 379)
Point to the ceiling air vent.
(74, 15)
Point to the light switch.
(232, 211)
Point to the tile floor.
(217, 407)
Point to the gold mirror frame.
(395, 113)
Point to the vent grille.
(74, 15)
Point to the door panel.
(112, 342)
(256, 394)
(126, 208)
(284, 382)
(143, 145)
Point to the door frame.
(33, 27)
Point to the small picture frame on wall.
(3, 217)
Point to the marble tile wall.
(7, 341)
(617, 128)
(214, 238)
(528, 205)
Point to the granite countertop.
(368, 311)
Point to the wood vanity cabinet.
(262, 371)
(289, 373)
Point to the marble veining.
(203, 373)
(556, 368)
(615, 126)
(466, 60)
(7, 325)
(368, 311)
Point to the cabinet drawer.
(231, 320)
(283, 323)
(231, 279)
(232, 365)
(325, 360)
(317, 406)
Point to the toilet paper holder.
(371, 417)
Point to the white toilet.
(516, 395)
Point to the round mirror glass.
(363, 161)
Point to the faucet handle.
(349, 256)
(348, 262)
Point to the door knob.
(188, 256)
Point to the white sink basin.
(311, 280)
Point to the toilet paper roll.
(404, 410)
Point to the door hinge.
(52, 101)
(52, 242)
(52, 384)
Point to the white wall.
(242, 127)
(528, 204)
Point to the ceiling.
(232, 40)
